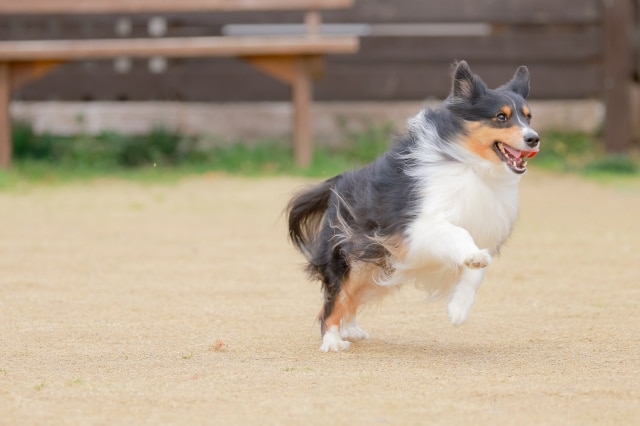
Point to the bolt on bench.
(296, 60)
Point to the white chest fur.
(484, 202)
(461, 213)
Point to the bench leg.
(302, 97)
(299, 72)
(5, 120)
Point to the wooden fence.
(574, 48)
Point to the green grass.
(166, 156)
(163, 156)
(614, 164)
(583, 154)
(566, 152)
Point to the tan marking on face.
(506, 111)
(526, 111)
(480, 139)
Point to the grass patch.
(583, 154)
(566, 152)
(614, 164)
(75, 382)
(164, 156)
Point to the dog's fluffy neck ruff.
(459, 187)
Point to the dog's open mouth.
(514, 158)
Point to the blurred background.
(583, 55)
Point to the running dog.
(432, 211)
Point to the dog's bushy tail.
(305, 212)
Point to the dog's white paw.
(460, 305)
(458, 312)
(352, 332)
(332, 341)
(478, 260)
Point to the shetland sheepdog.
(432, 211)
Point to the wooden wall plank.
(226, 80)
(547, 12)
(582, 45)
(67, 27)
(506, 11)
(636, 40)
(427, 80)
(618, 23)
(364, 11)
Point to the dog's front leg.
(453, 247)
(473, 269)
(464, 294)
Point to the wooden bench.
(293, 59)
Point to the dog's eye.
(501, 116)
(528, 117)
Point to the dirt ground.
(130, 303)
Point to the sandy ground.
(126, 303)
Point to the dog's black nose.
(532, 139)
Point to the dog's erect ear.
(466, 85)
(520, 82)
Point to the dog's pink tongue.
(520, 154)
(514, 152)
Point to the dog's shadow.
(438, 352)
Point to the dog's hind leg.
(336, 313)
(350, 330)
(335, 281)
(362, 289)
(341, 325)
(331, 319)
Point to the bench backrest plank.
(160, 6)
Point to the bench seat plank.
(15, 51)
(163, 6)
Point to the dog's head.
(496, 122)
